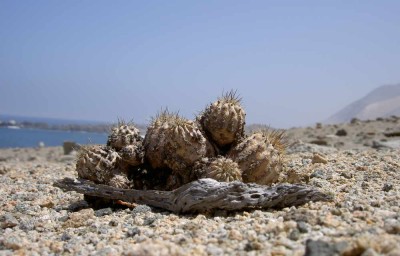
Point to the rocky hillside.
(384, 101)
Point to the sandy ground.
(361, 169)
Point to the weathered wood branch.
(204, 194)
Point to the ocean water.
(12, 138)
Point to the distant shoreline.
(97, 128)
(84, 127)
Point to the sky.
(293, 63)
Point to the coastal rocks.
(395, 144)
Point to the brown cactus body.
(258, 159)
(223, 121)
(220, 169)
(123, 134)
(174, 142)
(133, 154)
(100, 165)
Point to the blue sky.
(293, 62)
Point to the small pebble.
(103, 212)
(133, 232)
(141, 209)
(302, 227)
(317, 158)
(8, 221)
(387, 187)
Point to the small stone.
(103, 212)
(364, 185)
(133, 232)
(106, 251)
(369, 252)
(302, 227)
(387, 187)
(8, 221)
(149, 220)
(319, 142)
(28, 224)
(347, 175)
(294, 235)
(253, 246)
(13, 242)
(392, 226)
(317, 158)
(78, 219)
(321, 174)
(319, 248)
(297, 176)
(235, 235)
(47, 204)
(65, 236)
(141, 209)
(113, 223)
(214, 250)
(341, 132)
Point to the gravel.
(364, 218)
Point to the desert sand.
(358, 163)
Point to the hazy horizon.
(293, 63)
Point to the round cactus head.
(96, 163)
(173, 142)
(260, 157)
(220, 169)
(120, 181)
(123, 134)
(101, 164)
(132, 154)
(223, 121)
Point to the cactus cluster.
(176, 151)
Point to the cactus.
(123, 134)
(132, 154)
(277, 138)
(119, 181)
(173, 142)
(176, 151)
(260, 157)
(220, 169)
(223, 121)
(100, 165)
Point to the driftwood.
(204, 194)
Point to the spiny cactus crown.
(122, 124)
(172, 118)
(230, 97)
(277, 138)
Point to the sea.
(23, 137)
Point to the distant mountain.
(382, 102)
